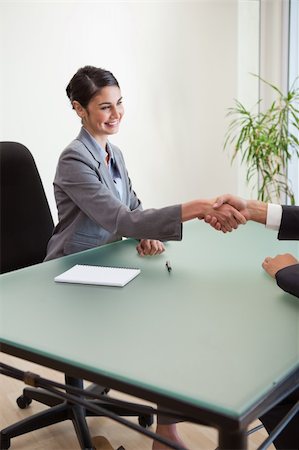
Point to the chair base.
(60, 411)
(55, 414)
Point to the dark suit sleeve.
(289, 227)
(288, 279)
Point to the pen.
(168, 266)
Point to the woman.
(94, 196)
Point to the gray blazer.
(90, 212)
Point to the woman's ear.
(79, 109)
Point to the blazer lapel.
(87, 141)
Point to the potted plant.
(266, 141)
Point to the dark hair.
(87, 82)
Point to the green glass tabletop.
(216, 331)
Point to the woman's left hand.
(150, 247)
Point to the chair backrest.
(26, 222)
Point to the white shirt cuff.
(274, 213)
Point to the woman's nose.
(115, 113)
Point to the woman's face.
(103, 113)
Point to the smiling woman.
(94, 196)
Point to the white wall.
(248, 85)
(176, 63)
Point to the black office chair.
(26, 226)
(26, 221)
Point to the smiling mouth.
(112, 124)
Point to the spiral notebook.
(100, 275)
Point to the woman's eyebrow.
(109, 103)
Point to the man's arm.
(257, 211)
(288, 279)
(285, 269)
(289, 227)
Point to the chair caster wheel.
(146, 421)
(23, 401)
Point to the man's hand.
(250, 209)
(237, 202)
(150, 247)
(226, 218)
(273, 265)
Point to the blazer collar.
(98, 154)
(91, 145)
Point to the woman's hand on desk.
(150, 247)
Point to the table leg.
(232, 440)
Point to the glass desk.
(214, 339)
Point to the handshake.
(229, 211)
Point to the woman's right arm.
(79, 178)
